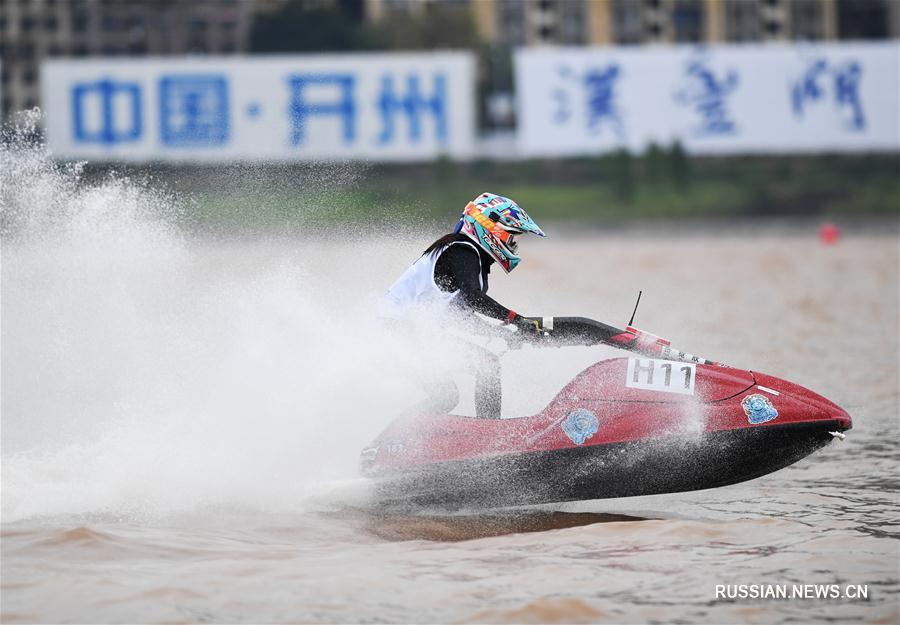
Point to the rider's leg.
(488, 392)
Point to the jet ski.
(657, 421)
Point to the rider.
(449, 282)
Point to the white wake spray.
(146, 370)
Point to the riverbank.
(661, 184)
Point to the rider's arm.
(459, 269)
(484, 304)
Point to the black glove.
(528, 330)
(529, 325)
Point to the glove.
(528, 329)
(529, 325)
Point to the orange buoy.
(829, 234)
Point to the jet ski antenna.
(634, 312)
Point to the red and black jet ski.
(661, 421)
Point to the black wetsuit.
(462, 268)
(458, 268)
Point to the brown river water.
(182, 418)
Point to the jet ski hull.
(627, 469)
(622, 428)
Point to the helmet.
(494, 222)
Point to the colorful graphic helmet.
(494, 222)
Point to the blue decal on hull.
(580, 425)
(758, 408)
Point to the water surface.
(182, 417)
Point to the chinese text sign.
(728, 98)
(374, 106)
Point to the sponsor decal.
(580, 425)
(367, 459)
(664, 376)
(758, 408)
(489, 240)
(395, 447)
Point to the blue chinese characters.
(193, 110)
(335, 95)
(106, 112)
(823, 81)
(707, 94)
(301, 109)
(596, 92)
(395, 110)
(412, 105)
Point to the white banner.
(372, 106)
(716, 99)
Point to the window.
(806, 19)
(741, 21)
(627, 20)
(111, 23)
(80, 22)
(687, 21)
(512, 22)
(572, 21)
(863, 19)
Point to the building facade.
(601, 22)
(32, 30)
(607, 22)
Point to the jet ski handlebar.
(560, 331)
